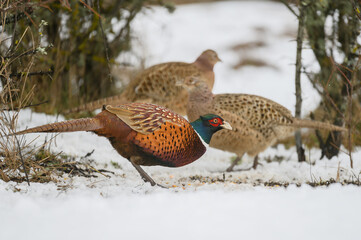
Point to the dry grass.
(20, 160)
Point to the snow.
(294, 213)
(122, 206)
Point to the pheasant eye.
(214, 122)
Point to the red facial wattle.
(215, 122)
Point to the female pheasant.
(156, 84)
(257, 122)
(146, 134)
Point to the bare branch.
(90, 8)
(105, 41)
(289, 7)
(38, 73)
(19, 108)
(301, 19)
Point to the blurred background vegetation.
(333, 32)
(75, 47)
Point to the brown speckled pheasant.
(156, 84)
(146, 134)
(257, 122)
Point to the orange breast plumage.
(173, 145)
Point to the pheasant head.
(209, 124)
(208, 58)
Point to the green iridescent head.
(209, 124)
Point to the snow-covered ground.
(202, 202)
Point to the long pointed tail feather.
(305, 123)
(83, 124)
(91, 106)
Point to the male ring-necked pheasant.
(257, 122)
(146, 134)
(156, 84)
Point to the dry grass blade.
(22, 161)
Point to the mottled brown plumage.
(257, 122)
(145, 134)
(156, 84)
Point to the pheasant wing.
(145, 118)
(158, 82)
(256, 110)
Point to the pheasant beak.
(226, 125)
(219, 60)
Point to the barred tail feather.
(83, 124)
(305, 123)
(91, 106)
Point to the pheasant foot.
(144, 175)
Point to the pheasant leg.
(235, 162)
(254, 165)
(255, 162)
(144, 175)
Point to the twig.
(290, 8)
(15, 7)
(29, 52)
(88, 154)
(105, 41)
(22, 160)
(25, 4)
(356, 9)
(349, 88)
(17, 17)
(312, 81)
(92, 168)
(339, 70)
(31, 73)
(327, 94)
(30, 105)
(132, 14)
(349, 96)
(90, 8)
(301, 18)
(13, 40)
